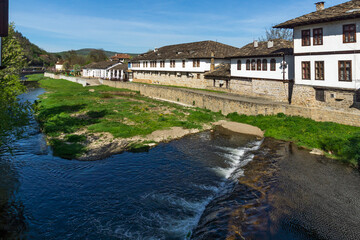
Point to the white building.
(59, 66)
(181, 64)
(258, 69)
(327, 55)
(104, 70)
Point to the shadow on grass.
(49, 112)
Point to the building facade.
(106, 70)
(181, 64)
(327, 55)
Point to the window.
(239, 65)
(144, 64)
(264, 65)
(196, 63)
(198, 76)
(345, 71)
(153, 64)
(319, 71)
(320, 95)
(305, 37)
(253, 65)
(349, 33)
(248, 65)
(258, 65)
(318, 36)
(305, 70)
(162, 64)
(272, 65)
(172, 63)
(183, 63)
(136, 64)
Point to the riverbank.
(122, 119)
(96, 122)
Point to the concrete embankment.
(229, 103)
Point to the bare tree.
(277, 33)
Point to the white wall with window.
(339, 70)
(176, 65)
(261, 68)
(336, 36)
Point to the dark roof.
(121, 56)
(121, 66)
(280, 47)
(202, 49)
(222, 70)
(99, 65)
(347, 10)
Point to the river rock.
(316, 151)
(241, 128)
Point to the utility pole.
(4, 24)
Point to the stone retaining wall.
(225, 103)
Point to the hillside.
(85, 52)
(34, 55)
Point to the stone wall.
(81, 81)
(171, 78)
(228, 104)
(217, 102)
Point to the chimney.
(212, 66)
(320, 6)
(270, 44)
(256, 44)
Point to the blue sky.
(136, 26)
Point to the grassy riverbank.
(340, 141)
(72, 116)
(69, 113)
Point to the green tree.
(13, 113)
(97, 55)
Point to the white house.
(327, 55)
(181, 64)
(258, 69)
(59, 66)
(97, 70)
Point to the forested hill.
(86, 51)
(34, 55)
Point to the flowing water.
(212, 185)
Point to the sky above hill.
(136, 26)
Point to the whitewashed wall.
(332, 41)
(277, 74)
(331, 70)
(332, 37)
(204, 66)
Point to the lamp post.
(4, 24)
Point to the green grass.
(34, 77)
(68, 107)
(339, 140)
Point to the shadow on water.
(286, 193)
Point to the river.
(213, 185)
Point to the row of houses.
(320, 67)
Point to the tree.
(97, 55)
(13, 113)
(277, 33)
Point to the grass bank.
(337, 140)
(69, 113)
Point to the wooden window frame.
(248, 65)
(273, 65)
(239, 65)
(348, 32)
(253, 65)
(183, 63)
(318, 36)
(258, 65)
(264, 64)
(304, 37)
(345, 61)
(172, 63)
(320, 95)
(306, 75)
(319, 70)
(196, 63)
